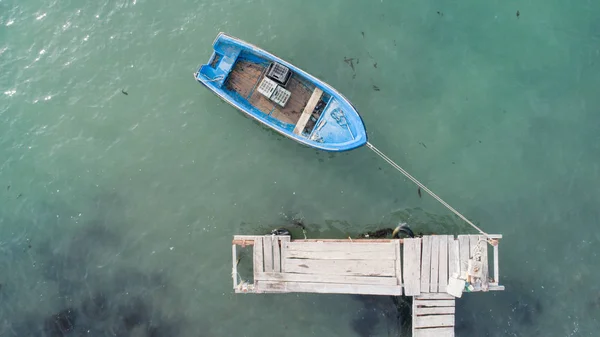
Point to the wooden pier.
(433, 269)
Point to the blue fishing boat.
(281, 96)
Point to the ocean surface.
(117, 211)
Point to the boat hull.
(338, 128)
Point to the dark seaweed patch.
(393, 312)
(61, 324)
(92, 300)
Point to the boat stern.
(225, 54)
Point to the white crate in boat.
(267, 87)
(281, 96)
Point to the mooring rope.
(414, 180)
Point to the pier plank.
(485, 268)
(312, 278)
(381, 254)
(435, 311)
(473, 240)
(329, 288)
(443, 266)
(426, 264)
(276, 254)
(341, 267)
(234, 266)
(398, 262)
(434, 296)
(258, 255)
(435, 260)
(386, 249)
(268, 252)
(411, 260)
(436, 303)
(435, 332)
(464, 255)
(453, 257)
(496, 266)
(433, 321)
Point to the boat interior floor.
(245, 78)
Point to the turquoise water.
(125, 205)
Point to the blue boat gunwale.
(332, 92)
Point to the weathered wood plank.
(276, 254)
(411, 260)
(433, 321)
(473, 240)
(435, 303)
(453, 257)
(434, 332)
(341, 267)
(443, 269)
(234, 266)
(398, 263)
(375, 254)
(496, 265)
(258, 255)
(315, 278)
(426, 264)
(463, 245)
(484, 268)
(433, 296)
(284, 241)
(329, 288)
(435, 260)
(308, 109)
(268, 252)
(384, 248)
(435, 311)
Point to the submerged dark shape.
(299, 224)
(124, 92)
(162, 330)
(365, 322)
(281, 231)
(134, 313)
(419, 191)
(376, 88)
(60, 324)
(349, 61)
(518, 14)
(402, 228)
(380, 233)
(393, 311)
(525, 311)
(96, 307)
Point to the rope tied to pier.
(424, 188)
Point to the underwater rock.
(378, 234)
(60, 324)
